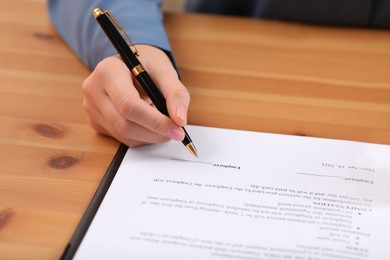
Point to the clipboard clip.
(97, 12)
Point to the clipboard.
(82, 228)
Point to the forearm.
(73, 19)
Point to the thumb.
(178, 100)
(164, 74)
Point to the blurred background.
(173, 5)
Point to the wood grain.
(51, 160)
(285, 78)
(242, 73)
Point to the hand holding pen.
(117, 105)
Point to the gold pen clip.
(97, 12)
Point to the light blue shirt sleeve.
(141, 19)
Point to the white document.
(248, 196)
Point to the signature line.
(183, 160)
(320, 175)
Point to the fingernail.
(181, 113)
(176, 134)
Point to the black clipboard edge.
(94, 205)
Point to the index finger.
(127, 101)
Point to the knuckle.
(89, 111)
(181, 93)
(122, 129)
(85, 104)
(86, 86)
(125, 107)
(99, 74)
(159, 125)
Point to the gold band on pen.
(137, 70)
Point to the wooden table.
(242, 73)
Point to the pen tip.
(192, 149)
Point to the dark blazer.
(362, 13)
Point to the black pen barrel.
(117, 41)
(128, 55)
(153, 92)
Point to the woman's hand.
(117, 106)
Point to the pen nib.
(192, 149)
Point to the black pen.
(129, 54)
